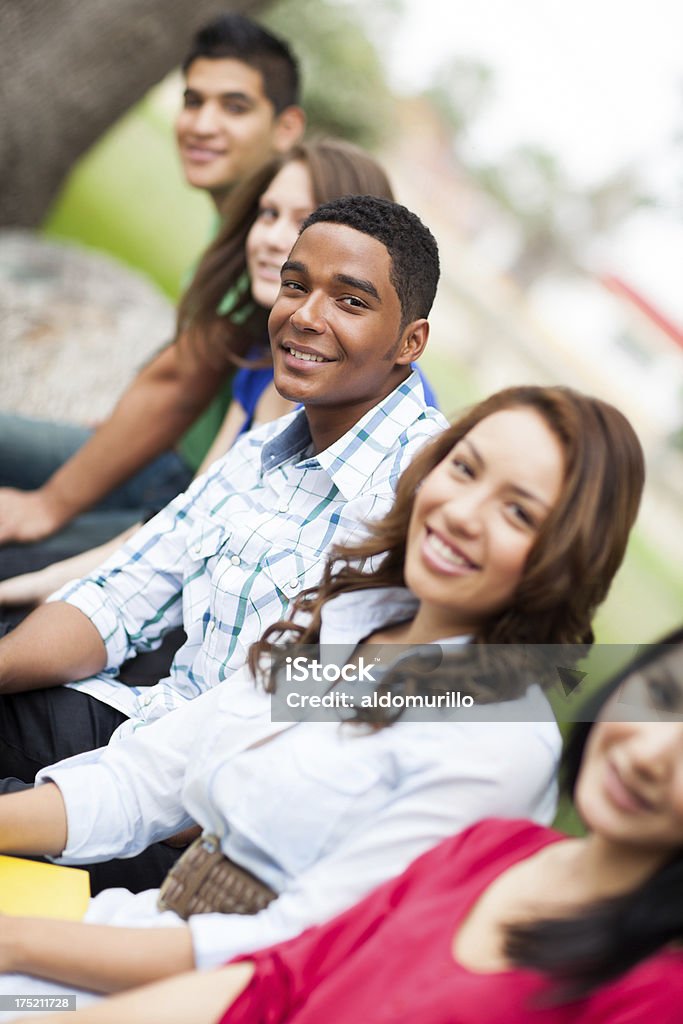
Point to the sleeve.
(135, 597)
(121, 798)
(486, 778)
(286, 973)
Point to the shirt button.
(293, 584)
(197, 549)
(283, 507)
(235, 559)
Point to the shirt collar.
(348, 618)
(351, 460)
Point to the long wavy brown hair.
(337, 169)
(573, 560)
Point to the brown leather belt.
(205, 881)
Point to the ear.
(413, 342)
(289, 127)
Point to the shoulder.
(489, 841)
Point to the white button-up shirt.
(322, 811)
(224, 561)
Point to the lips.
(446, 556)
(201, 154)
(304, 355)
(625, 796)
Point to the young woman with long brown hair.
(507, 528)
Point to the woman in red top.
(508, 921)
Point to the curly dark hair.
(411, 246)
(232, 35)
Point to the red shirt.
(390, 959)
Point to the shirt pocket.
(298, 800)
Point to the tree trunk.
(70, 68)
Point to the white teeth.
(446, 552)
(307, 357)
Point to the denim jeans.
(31, 450)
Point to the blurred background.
(542, 143)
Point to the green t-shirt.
(197, 440)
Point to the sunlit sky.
(599, 82)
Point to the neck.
(328, 423)
(612, 869)
(425, 629)
(219, 195)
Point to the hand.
(27, 516)
(183, 839)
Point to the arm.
(201, 997)
(56, 644)
(153, 413)
(32, 822)
(35, 587)
(103, 958)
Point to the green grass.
(127, 197)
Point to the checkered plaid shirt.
(225, 558)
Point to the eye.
(267, 214)
(522, 515)
(354, 302)
(235, 107)
(292, 286)
(664, 695)
(462, 467)
(191, 99)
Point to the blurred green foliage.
(344, 89)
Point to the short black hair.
(411, 246)
(232, 35)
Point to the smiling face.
(283, 207)
(336, 330)
(227, 127)
(476, 517)
(630, 788)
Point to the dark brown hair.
(337, 169)
(574, 557)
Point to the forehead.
(521, 442)
(653, 692)
(292, 184)
(217, 76)
(338, 249)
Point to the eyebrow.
(193, 91)
(515, 487)
(296, 265)
(360, 283)
(353, 282)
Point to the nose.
(281, 236)
(205, 120)
(308, 315)
(464, 513)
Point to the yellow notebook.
(29, 888)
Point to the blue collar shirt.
(226, 558)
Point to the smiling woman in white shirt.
(507, 529)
